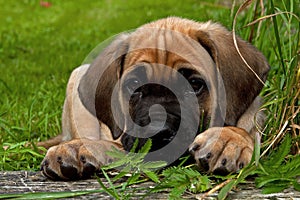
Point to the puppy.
(167, 81)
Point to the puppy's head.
(141, 84)
(164, 85)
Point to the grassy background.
(39, 47)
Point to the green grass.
(40, 46)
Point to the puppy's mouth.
(159, 140)
(161, 130)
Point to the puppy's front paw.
(222, 150)
(75, 159)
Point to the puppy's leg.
(253, 118)
(222, 150)
(84, 139)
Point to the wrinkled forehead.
(166, 47)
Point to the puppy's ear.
(241, 84)
(96, 86)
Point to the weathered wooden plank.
(20, 182)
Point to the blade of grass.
(48, 195)
(277, 36)
(112, 190)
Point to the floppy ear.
(241, 84)
(96, 86)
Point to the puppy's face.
(154, 82)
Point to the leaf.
(169, 171)
(274, 189)
(190, 178)
(261, 170)
(115, 153)
(293, 172)
(154, 165)
(293, 166)
(257, 148)
(115, 164)
(183, 160)
(278, 156)
(224, 191)
(133, 178)
(276, 186)
(135, 144)
(146, 148)
(128, 169)
(136, 158)
(296, 185)
(201, 184)
(261, 181)
(152, 176)
(177, 192)
(121, 174)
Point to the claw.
(50, 173)
(204, 163)
(88, 170)
(221, 171)
(69, 172)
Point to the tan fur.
(88, 121)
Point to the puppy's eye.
(131, 85)
(197, 84)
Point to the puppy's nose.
(158, 117)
